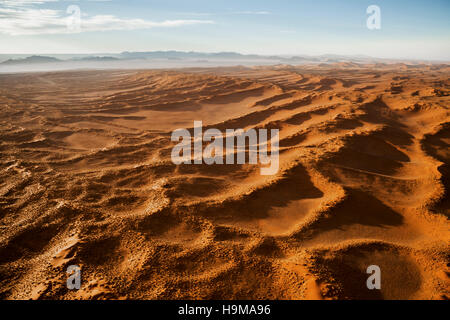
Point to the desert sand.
(86, 179)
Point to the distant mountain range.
(193, 55)
(154, 55)
(180, 56)
(50, 59)
(31, 60)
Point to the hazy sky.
(409, 29)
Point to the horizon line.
(286, 55)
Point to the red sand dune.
(86, 179)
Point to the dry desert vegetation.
(86, 179)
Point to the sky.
(414, 29)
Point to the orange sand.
(86, 179)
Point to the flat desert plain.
(86, 179)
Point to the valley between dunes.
(86, 179)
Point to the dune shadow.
(400, 276)
(360, 208)
(296, 184)
(28, 243)
(371, 154)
